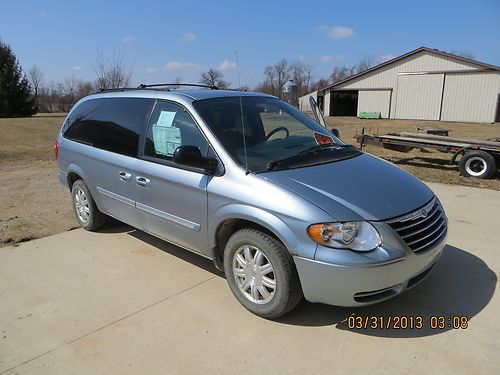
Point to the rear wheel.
(261, 273)
(87, 214)
(477, 164)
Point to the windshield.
(274, 131)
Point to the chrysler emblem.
(423, 213)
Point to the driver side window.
(172, 126)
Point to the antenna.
(241, 112)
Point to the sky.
(163, 40)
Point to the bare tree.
(318, 85)
(302, 76)
(177, 81)
(283, 75)
(83, 88)
(48, 98)
(275, 77)
(365, 63)
(214, 78)
(35, 76)
(339, 73)
(264, 87)
(67, 91)
(61, 96)
(111, 74)
(268, 86)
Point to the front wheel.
(261, 273)
(477, 164)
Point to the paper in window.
(166, 118)
(166, 139)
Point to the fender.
(263, 218)
(74, 168)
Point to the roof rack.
(144, 86)
(158, 86)
(119, 89)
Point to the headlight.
(355, 235)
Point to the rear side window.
(120, 123)
(80, 124)
(112, 124)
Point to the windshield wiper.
(321, 147)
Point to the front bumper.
(364, 283)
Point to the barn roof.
(414, 52)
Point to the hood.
(360, 188)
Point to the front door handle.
(142, 181)
(125, 176)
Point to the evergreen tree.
(16, 99)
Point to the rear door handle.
(142, 181)
(125, 176)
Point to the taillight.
(56, 149)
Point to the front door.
(172, 200)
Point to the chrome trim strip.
(415, 214)
(423, 229)
(429, 216)
(115, 196)
(169, 217)
(432, 243)
(426, 236)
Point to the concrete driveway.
(123, 302)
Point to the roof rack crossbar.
(144, 86)
(119, 89)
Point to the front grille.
(423, 228)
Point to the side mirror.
(336, 132)
(190, 156)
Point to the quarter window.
(172, 126)
(81, 122)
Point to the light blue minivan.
(279, 203)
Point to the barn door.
(419, 96)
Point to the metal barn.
(424, 84)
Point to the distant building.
(424, 84)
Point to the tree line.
(26, 94)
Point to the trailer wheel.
(477, 164)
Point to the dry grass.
(431, 166)
(28, 139)
(33, 202)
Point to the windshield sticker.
(165, 119)
(322, 139)
(166, 139)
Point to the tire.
(477, 164)
(250, 283)
(86, 212)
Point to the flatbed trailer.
(476, 158)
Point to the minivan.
(281, 204)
